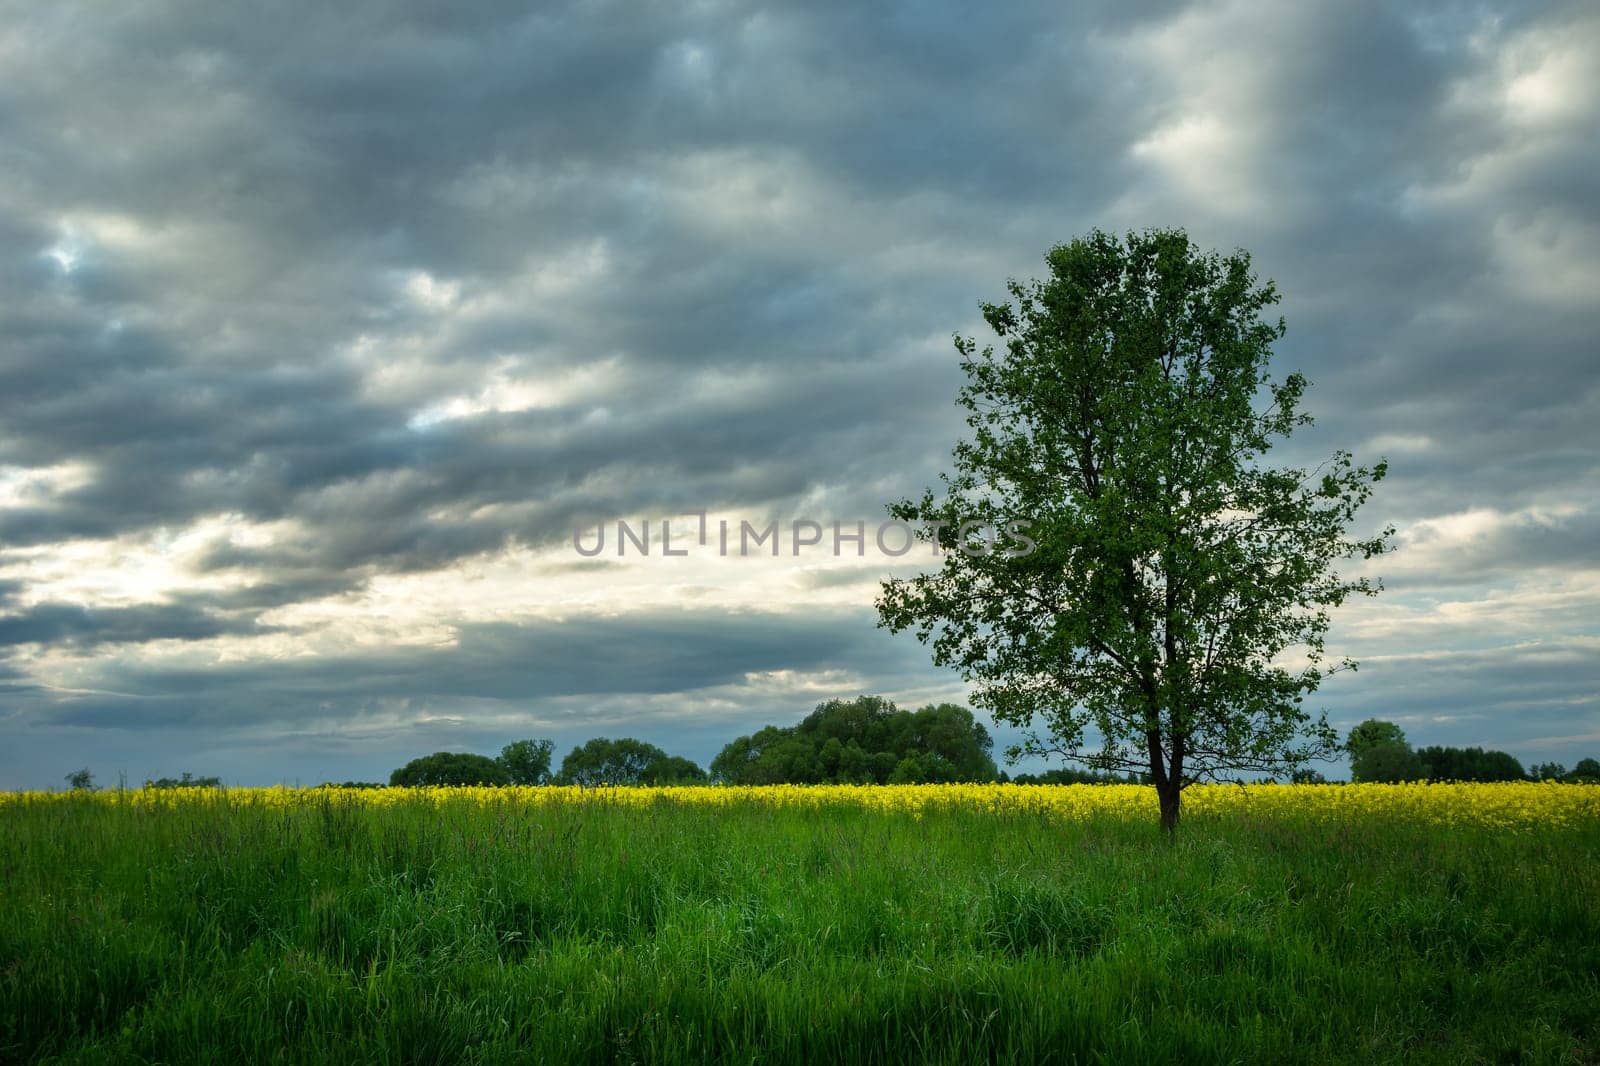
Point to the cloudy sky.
(321, 330)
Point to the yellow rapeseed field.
(1507, 806)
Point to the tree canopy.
(1585, 770)
(1387, 763)
(1470, 764)
(1380, 752)
(1172, 613)
(867, 740)
(1372, 732)
(626, 761)
(450, 768)
(527, 762)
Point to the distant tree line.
(1077, 777)
(1379, 752)
(188, 780)
(868, 740)
(83, 781)
(602, 761)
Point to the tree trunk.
(1169, 796)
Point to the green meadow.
(335, 930)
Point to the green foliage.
(237, 930)
(1372, 732)
(1471, 764)
(1586, 771)
(1120, 425)
(1387, 762)
(450, 768)
(188, 780)
(673, 770)
(867, 740)
(1307, 776)
(1068, 776)
(81, 780)
(527, 762)
(626, 761)
(352, 784)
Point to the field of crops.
(1368, 923)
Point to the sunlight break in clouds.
(311, 364)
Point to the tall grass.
(460, 931)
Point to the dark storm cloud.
(297, 162)
(78, 627)
(531, 660)
(587, 658)
(249, 258)
(1538, 699)
(671, 677)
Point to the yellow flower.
(1508, 806)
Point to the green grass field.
(328, 930)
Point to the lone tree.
(527, 762)
(1380, 753)
(1171, 573)
(1372, 733)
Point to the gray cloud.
(71, 625)
(644, 654)
(421, 283)
(672, 675)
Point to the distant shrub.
(188, 780)
(1065, 776)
